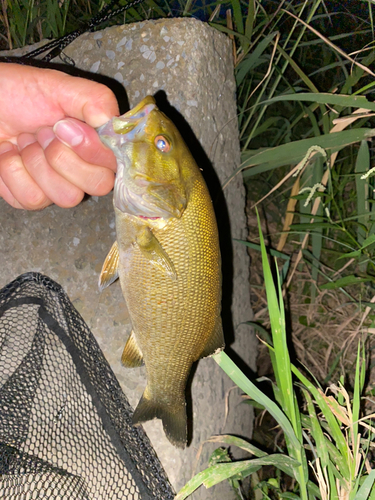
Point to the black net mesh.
(65, 424)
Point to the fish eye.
(162, 144)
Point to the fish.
(167, 258)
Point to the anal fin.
(109, 272)
(132, 355)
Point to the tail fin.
(173, 418)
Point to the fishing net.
(65, 424)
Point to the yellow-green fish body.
(168, 259)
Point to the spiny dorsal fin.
(109, 272)
(132, 355)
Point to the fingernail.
(68, 132)
(25, 140)
(99, 119)
(5, 147)
(45, 136)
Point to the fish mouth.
(138, 109)
(132, 123)
(125, 129)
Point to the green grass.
(284, 110)
(326, 444)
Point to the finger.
(86, 100)
(19, 182)
(7, 196)
(85, 141)
(92, 179)
(7, 146)
(56, 188)
(24, 140)
(37, 97)
(4, 191)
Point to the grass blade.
(333, 425)
(282, 361)
(252, 60)
(239, 442)
(217, 473)
(238, 377)
(255, 246)
(316, 431)
(362, 165)
(325, 98)
(346, 281)
(236, 6)
(367, 487)
(242, 38)
(293, 152)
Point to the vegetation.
(326, 450)
(306, 121)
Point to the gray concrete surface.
(192, 64)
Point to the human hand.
(49, 150)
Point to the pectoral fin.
(132, 355)
(109, 272)
(154, 252)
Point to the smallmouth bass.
(167, 257)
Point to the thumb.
(84, 140)
(83, 99)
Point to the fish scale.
(169, 265)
